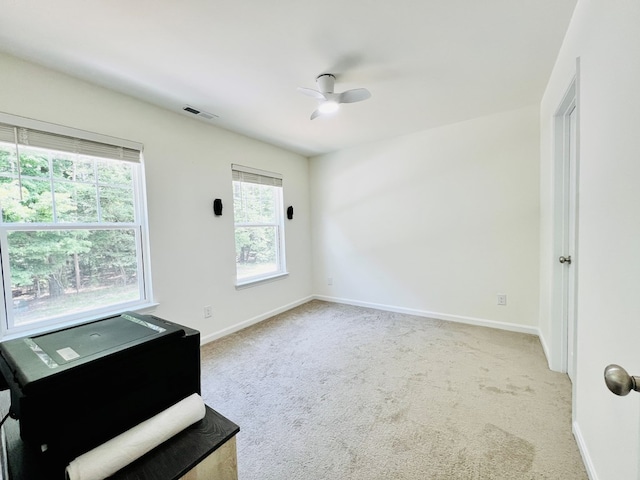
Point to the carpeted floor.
(329, 391)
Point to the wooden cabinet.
(220, 465)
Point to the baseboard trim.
(545, 350)
(481, 322)
(252, 321)
(584, 451)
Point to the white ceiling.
(426, 62)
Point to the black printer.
(75, 388)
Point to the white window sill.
(251, 282)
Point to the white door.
(566, 234)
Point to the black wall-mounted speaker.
(290, 213)
(217, 207)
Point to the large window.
(72, 225)
(259, 231)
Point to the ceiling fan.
(330, 101)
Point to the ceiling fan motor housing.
(326, 82)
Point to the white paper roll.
(120, 451)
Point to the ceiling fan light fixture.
(329, 101)
(329, 106)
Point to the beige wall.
(188, 164)
(436, 223)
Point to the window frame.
(278, 224)
(8, 329)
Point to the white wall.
(188, 164)
(605, 35)
(438, 222)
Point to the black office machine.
(75, 388)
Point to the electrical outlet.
(502, 299)
(330, 281)
(207, 311)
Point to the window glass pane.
(34, 162)
(9, 185)
(116, 192)
(238, 213)
(115, 173)
(12, 210)
(76, 202)
(62, 272)
(27, 199)
(253, 203)
(8, 160)
(73, 168)
(116, 204)
(31, 203)
(256, 251)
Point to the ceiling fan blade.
(316, 114)
(355, 95)
(312, 93)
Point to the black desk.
(172, 460)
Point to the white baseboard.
(584, 452)
(247, 323)
(545, 349)
(512, 327)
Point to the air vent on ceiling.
(199, 113)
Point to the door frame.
(562, 276)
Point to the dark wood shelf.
(169, 461)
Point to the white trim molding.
(584, 452)
(481, 322)
(252, 321)
(545, 350)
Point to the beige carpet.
(330, 391)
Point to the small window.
(259, 229)
(72, 227)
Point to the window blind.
(63, 143)
(241, 173)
